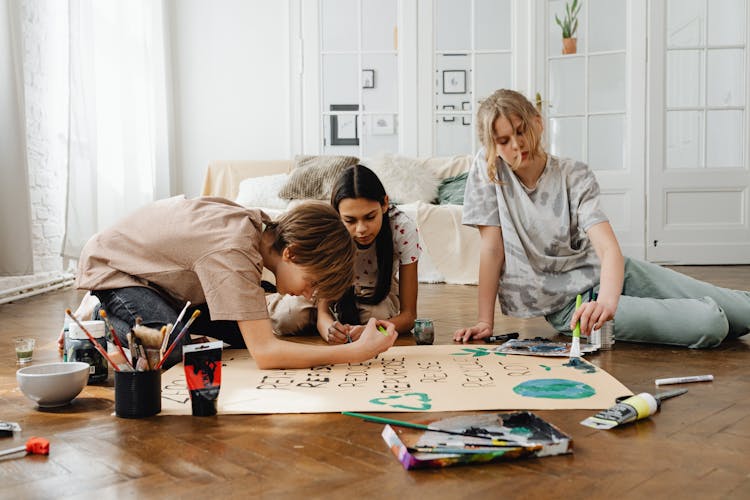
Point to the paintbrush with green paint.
(575, 346)
(400, 423)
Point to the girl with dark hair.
(387, 245)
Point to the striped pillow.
(314, 176)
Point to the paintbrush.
(96, 344)
(142, 365)
(149, 337)
(132, 348)
(179, 336)
(111, 329)
(399, 423)
(165, 340)
(575, 347)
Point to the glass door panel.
(588, 87)
(452, 25)
(338, 25)
(472, 58)
(379, 28)
(359, 76)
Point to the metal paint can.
(604, 338)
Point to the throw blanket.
(453, 248)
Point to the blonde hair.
(505, 103)
(320, 243)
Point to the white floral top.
(406, 250)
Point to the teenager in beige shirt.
(211, 252)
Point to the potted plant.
(569, 25)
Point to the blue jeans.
(661, 306)
(124, 304)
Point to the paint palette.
(540, 347)
(523, 435)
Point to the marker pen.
(501, 338)
(684, 380)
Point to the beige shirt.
(205, 250)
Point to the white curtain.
(16, 255)
(119, 114)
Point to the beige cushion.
(449, 166)
(405, 179)
(314, 176)
(223, 177)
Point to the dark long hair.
(359, 181)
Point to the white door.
(699, 181)
(593, 101)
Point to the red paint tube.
(202, 364)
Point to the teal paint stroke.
(521, 431)
(477, 352)
(417, 401)
(554, 388)
(546, 367)
(580, 365)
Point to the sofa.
(416, 185)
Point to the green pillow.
(451, 190)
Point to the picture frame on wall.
(344, 126)
(368, 78)
(383, 124)
(454, 81)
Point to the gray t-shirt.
(548, 257)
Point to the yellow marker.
(382, 330)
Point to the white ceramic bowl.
(53, 384)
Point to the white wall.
(231, 86)
(45, 80)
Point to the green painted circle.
(554, 388)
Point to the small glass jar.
(78, 347)
(424, 331)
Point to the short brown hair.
(320, 243)
(506, 103)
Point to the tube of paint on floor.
(202, 364)
(629, 410)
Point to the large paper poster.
(405, 379)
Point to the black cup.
(137, 394)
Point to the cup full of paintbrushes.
(138, 392)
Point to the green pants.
(661, 306)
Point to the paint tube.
(633, 408)
(202, 364)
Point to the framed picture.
(454, 81)
(368, 78)
(344, 127)
(466, 120)
(465, 105)
(449, 107)
(383, 125)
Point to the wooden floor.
(698, 446)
